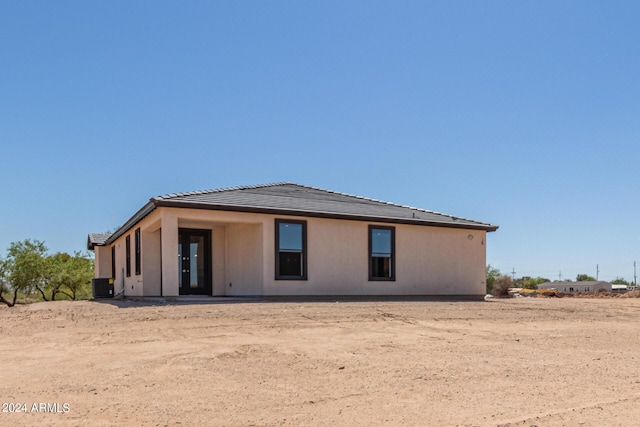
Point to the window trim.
(276, 257)
(128, 255)
(137, 260)
(392, 262)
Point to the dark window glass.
(381, 253)
(291, 263)
(137, 242)
(113, 262)
(291, 256)
(180, 261)
(128, 255)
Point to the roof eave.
(91, 245)
(136, 218)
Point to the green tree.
(55, 271)
(23, 271)
(585, 278)
(620, 281)
(5, 286)
(492, 276)
(533, 282)
(69, 275)
(27, 269)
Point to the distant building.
(618, 288)
(584, 286)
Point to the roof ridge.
(220, 190)
(458, 218)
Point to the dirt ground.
(514, 362)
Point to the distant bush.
(502, 285)
(492, 276)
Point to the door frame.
(184, 235)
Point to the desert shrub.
(492, 275)
(502, 285)
(631, 294)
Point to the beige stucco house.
(287, 239)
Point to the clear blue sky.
(522, 114)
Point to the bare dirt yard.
(512, 362)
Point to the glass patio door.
(194, 262)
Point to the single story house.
(286, 239)
(583, 286)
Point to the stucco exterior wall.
(236, 240)
(119, 279)
(335, 250)
(218, 243)
(133, 285)
(102, 262)
(244, 255)
(429, 260)
(440, 261)
(151, 263)
(148, 283)
(159, 248)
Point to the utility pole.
(634, 273)
(513, 274)
(560, 276)
(597, 271)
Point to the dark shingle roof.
(97, 239)
(302, 199)
(286, 198)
